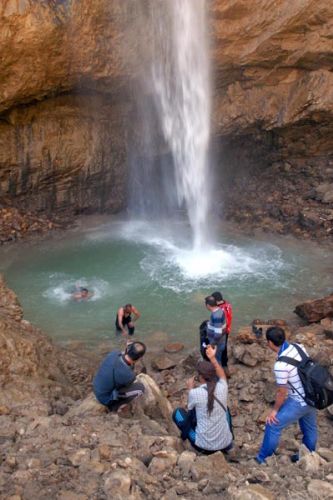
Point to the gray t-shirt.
(212, 431)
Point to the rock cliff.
(66, 105)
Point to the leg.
(131, 328)
(308, 425)
(289, 413)
(126, 395)
(224, 356)
(184, 421)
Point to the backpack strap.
(289, 361)
(300, 352)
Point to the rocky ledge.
(57, 442)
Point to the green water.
(152, 267)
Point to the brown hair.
(207, 372)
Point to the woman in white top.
(206, 424)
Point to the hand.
(190, 383)
(211, 352)
(271, 419)
(124, 333)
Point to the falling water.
(180, 88)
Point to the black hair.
(208, 373)
(127, 305)
(217, 296)
(135, 350)
(276, 335)
(82, 289)
(210, 301)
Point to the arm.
(210, 351)
(120, 319)
(281, 395)
(136, 313)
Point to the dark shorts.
(126, 322)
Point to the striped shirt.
(216, 324)
(285, 373)
(212, 431)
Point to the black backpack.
(316, 379)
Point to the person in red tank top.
(227, 308)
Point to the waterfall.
(178, 81)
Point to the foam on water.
(62, 287)
(171, 260)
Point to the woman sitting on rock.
(206, 423)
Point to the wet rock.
(163, 362)
(174, 347)
(316, 310)
(318, 489)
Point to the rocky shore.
(57, 442)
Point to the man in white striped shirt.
(289, 406)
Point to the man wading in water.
(124, 319)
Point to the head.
(207, 374)
(210, 302)
(275, 337)
(128, 308)
(218, 297)
(84, 291)
(135, 351)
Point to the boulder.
(251, 492)
(163, 362)
(325, 192)
(315, 310)
(327, 324)
(117, 484)
(320, 490)
(174, 347)
(249, 355)
(210, 467)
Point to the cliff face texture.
(66, 103)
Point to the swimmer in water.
(82, 294)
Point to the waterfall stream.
(178, 81)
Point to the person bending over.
(205, 424)
(114, 383)
(289, 406)
(124, 319)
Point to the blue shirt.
(113, 373)
(216, 324)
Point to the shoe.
(294, 458)
(260, 461)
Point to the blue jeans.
(289, 413)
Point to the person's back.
(286, 374)
(212, 431)
(112, 374)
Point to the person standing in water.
(124, 319)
